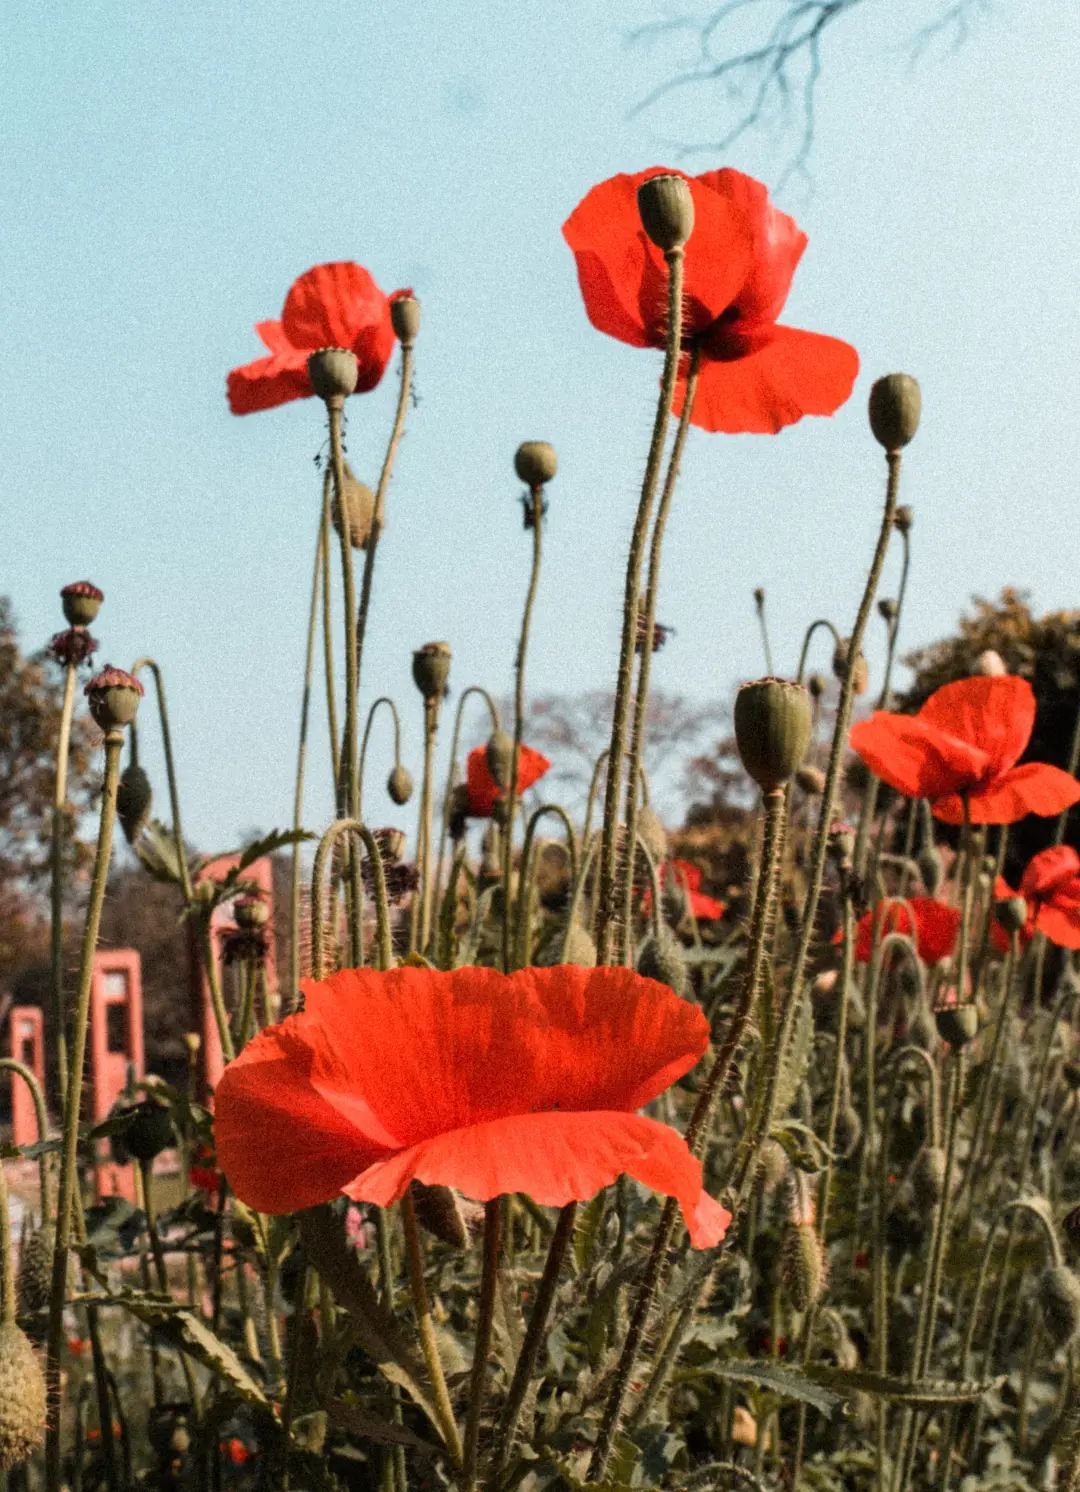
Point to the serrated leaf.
(353, 1419)
(277, 839)
(787, 1383)
(928, 1393)
(156, 849)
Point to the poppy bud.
(499, 754)
(81, 602)
(817, 685)
(333, 372)
(957, 1024)
(580, 948)
(841, 661)
(251, 912)
(113, 696)
(535, 462)
(440, 1211)
(399, 785)
(895, 406)
(841, 844)
(150, 1131)
(903, 519)
(666, 208)
(358, 501)
(990, 664)
(405, 317)
(35, 1270)
(931, 868)
(923, 1029)
(23, 1397)
(928, 1177)
(888, 609)
(1058, 1293)
(457, 811)
(811, 780)
(431, 669)
(134, 797)
(662, 959)
(652, 834)
(773, 1165)
(772, 730)
(803, 1265)
(1012, 914)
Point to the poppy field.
(534, 1152)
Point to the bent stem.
(383, 699)
(607, 903)
(425, 1327)
(455, 741)
(20, 1070)
(301, 762)
(170, 770)
(56, 868)
(324, 853)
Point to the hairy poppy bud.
(580, 948)
(251, 912)
(113, 696)
(440, 1210)
(81, 602)
(535, 462)
(990, 664)
(457, 810)
(150, 1131)
(1058, 1293)
(811, 780)
(333, 372)
(405, 317)
(773, 720)
(903, 519)
(802, 1265)
(666, 208)
(895, 407)
(957, 1024)
(662, 958)
(773, 1165)
(888, 609)
(499, 754)
(817, 684)
(399, 785)
(134, 797)
(23, 1399)
(1012, 914)
(652, 834)
(35, 1270)
(841, 662)
(431, 669)
(931, 868)
(358, 502)
(928, 1177)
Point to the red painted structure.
(261, 874)
(27, 1031)
(116, 1046)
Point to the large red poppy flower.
(487, 1082)
(967, 738)
(935, 927)
(480, 785)
(1051, 887)
(332, 305)
(739, 263)
(690, 876)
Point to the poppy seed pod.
(652, 834)
(1058, 1293)
(334, 373)
(928, 1177)
(23, 1400)
(666, 208)
(903, 519)
(150, 1131)
(895, 407)
(817, 684)
(134, 797)
(405, 317)
(431, 669)
(400, 785)
(535, 462)
(81, 602)
(358, 501)
(811, 780)
(113, 696)
(957, 1024)
(251, 912)
(499, 754)
(1012, 914)
(773, 720)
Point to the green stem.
(170, 771)
(521, 937)
(19, 1069)
(301, 762)
(7, 1255)
(426, 1328)
(808, 636)
(489, 1280)
(383, 699)
(455, 741)
(420, 920)
(870, 797)
(328, 634)
(56, 866)
(324, 853)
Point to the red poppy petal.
(1035, 788)
(682, 872)
(777, 243)
(706, 908)
(480, 785)
(554, 1158)
(1060, 921)
(272, 336)
(914, 758)
(794, 374)
(1048, 870)
(266, 383)
(995, 714)
(279, 1142)
(605, 304)
(936, 928)
(332, 305)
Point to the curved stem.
(420, 920)
(7, 1255)
(807, 637)
(56, 869)
(455, 741)
(385, 955)
(170, 770)
(19, 1069)
(426, 1329)
(383, 699)
(301, 762)
(521, 937)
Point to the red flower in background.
(486, 1082)
(739, 263)
(1051, 887)
(967, 738)
(203, 1174)
(480, 785)
(332, 305)
(690, 876)
(935, 927)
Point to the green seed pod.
(666, 208)
(931, 868)
(895, 407)
(81, 602)
(535, 462)
(405, 318)
(113, 696)
(439, 1210)
(34, 1278)
(957, 1024)
(928, 1177)
(802, 1265)
(134, 799)
(773, 720)
(1058, 1294)
(662, 958)
(23, 1405)
(359, 505)
(150, 1131)
(1012, 914)
(499, 753)
(333, 372)
(817, 684)
(399, 785)
(431, 669)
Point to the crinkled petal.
(268, 382)
(1059, 918)
(996, 714)
(555, 1158)
(914, 757)
(480, 785)
(1048, 870)
(935, 933)
(777, 243)
(795, 373)
(340, 305)
(1036, 787)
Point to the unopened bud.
(811, 780)
(405, 316)
(817, 684)
(23, 1399)
(666, 207)
(400, 785)
(841, 663)
(652, 834)
(773, 720)
(903, 519)
(895, 407)
(333, 372)
(803, 1265)
(499, 755)
(928, 1177)
(931, 868)
(957, 1024)
(134, 798)
(888, 609)
(662, 958)
(535, 462)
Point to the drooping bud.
(431, 669)
(358, 501)
(666, 208)
(895, 407)
(802, 1265)
(134, 798)
(81, 602)
(888, 610)
(841, 662)
(399, 785)
(113, 696)
(811, 780)
(662, 958)
(1012, 914)
(23, 1400)
(499, 754)
(1058, 1293)
(535, 462)
(928, 1177)
(957, 1024)
(251, 912)
(931, 868)
(150, 1131)
(333, 372)
(849, 1128)
(405, 316)
(773, 720)
(35, 1270)
(457, 810)
(990, 664)
(652, 834)
(580, 948)
(817, 684)
(773, 1165)
(441, 1211)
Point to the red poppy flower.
(935, 931)
(480, 785)
(967, 738)
(332, 305)
(690, 876)
(234, 1450)
(739, 262)
(1051, 887)
(487, 1082)
(202, 1173)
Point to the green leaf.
(354, 1419)
(803, 1386)
(926, 1393)
(156, 848)
(589, 1221)
(796, 1058)
(277, 839)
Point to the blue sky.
(169, 169)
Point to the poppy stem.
(384, 699)
(536, 511)
(524, 901)
(425, 1326)
(455, 740)
(20, 1070)
(170, 771)
(385, 949)
(114, 742)
(759, 607)
(328, 635)
(807, 637)
(607, 893)
(644, 639)
(420, 919)
(489, 1281)
(56, 870)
